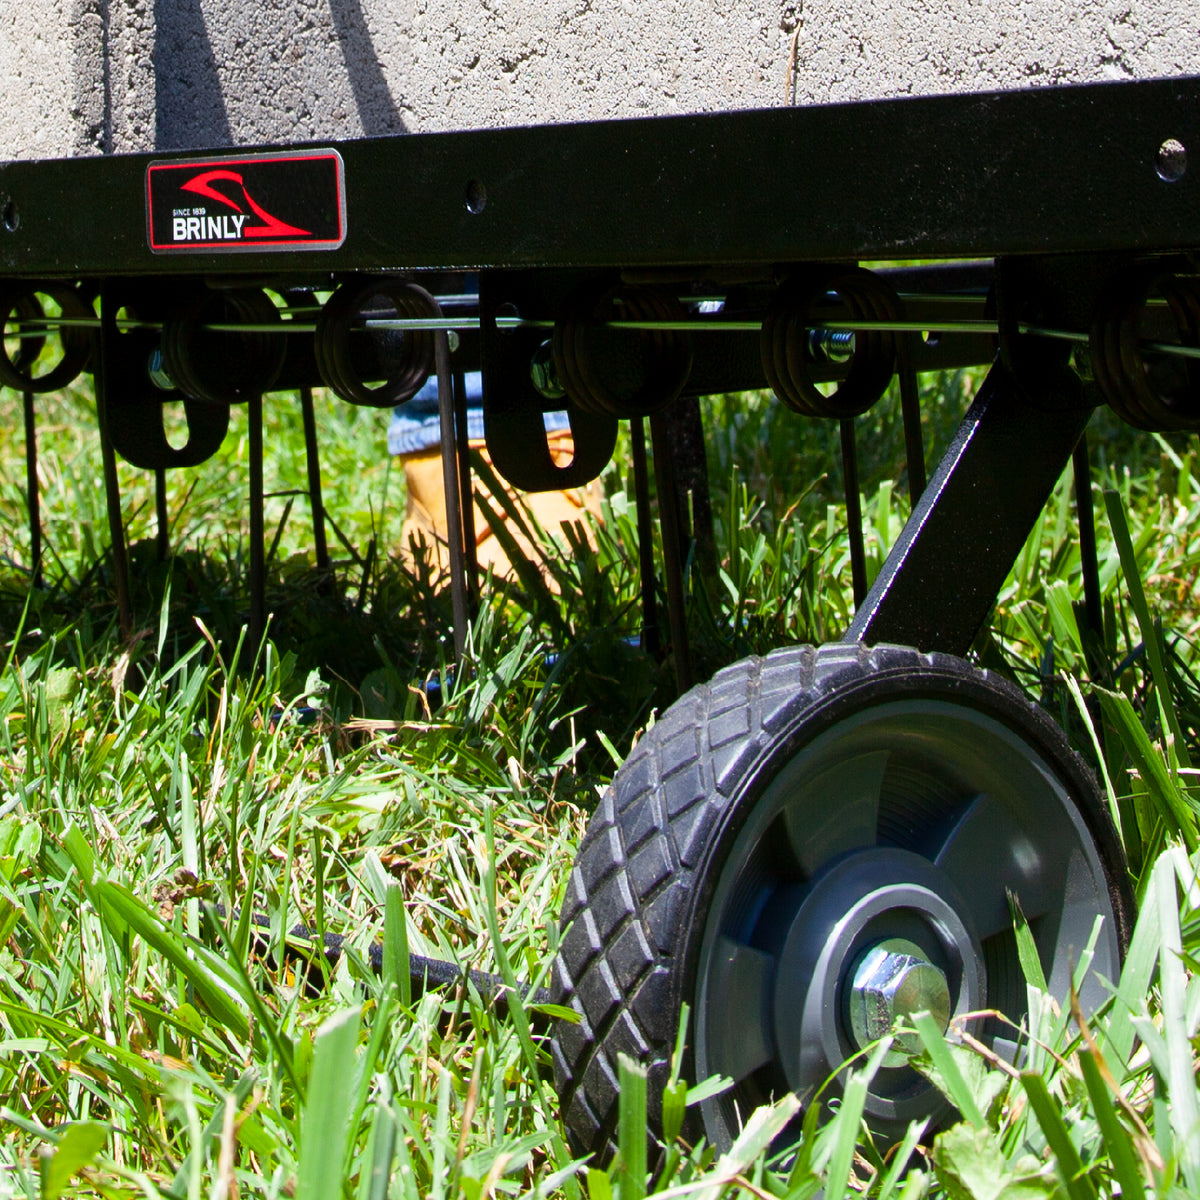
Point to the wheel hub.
(881, 936)
(892, 983)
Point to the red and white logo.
(258, 202)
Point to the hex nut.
(894, 979)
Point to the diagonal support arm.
(940, 580)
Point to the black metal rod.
(32, 495)
(258, 548)
(854, 526)
(645, 526)
(313, 461)
(35, 328)
(462, 438)
(910, 412)
(162, 517)
(690, 465)
(668, 522)
(112, 484)
(1088, 562)
(450, 484)
(304, 944)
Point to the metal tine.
(668, 510)
(312, 459)
(854, 525)
(651, 642)
(112, 485)
(32, 496)
(462, 436)
(910, 411)
(690, 464)
(162, 518)
(1089, 564)
(33, 500)
(450, 484)
(258, 548)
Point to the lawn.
(170, 811)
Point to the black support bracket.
(940, 580)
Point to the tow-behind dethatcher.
(810, 845)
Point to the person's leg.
(425, 518)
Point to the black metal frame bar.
(925, 177)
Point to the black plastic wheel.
(786, 820)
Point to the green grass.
(154, 1042)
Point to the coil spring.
(621, 372)
(401, 359)
(1157, 392)
(785, 346)
(224, 367)
(75, 340)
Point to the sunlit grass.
(154, 1041)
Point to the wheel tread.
(638, 866)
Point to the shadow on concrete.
(377, 111)
(189, 110)
(91, 75)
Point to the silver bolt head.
(1171, 160)
(834, 346)
(542, 373)
(893, 981)
(158, 371)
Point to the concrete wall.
(104, 76)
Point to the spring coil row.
(76, 341)
(784, 342)
(224, 367)
(1159, 392)
(634, 373)
(620, 372)
(347, 358)
(228, 367)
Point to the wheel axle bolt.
(833, 346)
(894, 980)
(158, 372)
(543, 375)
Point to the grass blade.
(900, 1159)
(1070, 1166)
(1118, 1145)
(378, 1176)
(326, 1118)
(936, 1047)
(214, 981)
(631, 1129)
(516, 1007)
(395, 947)
(1149, 631)
(846, 1124)
(78, 1145)
(1027, 952)
(1173, 803)
(1140, 964)
(1172, 982)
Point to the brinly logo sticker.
(288, 201)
